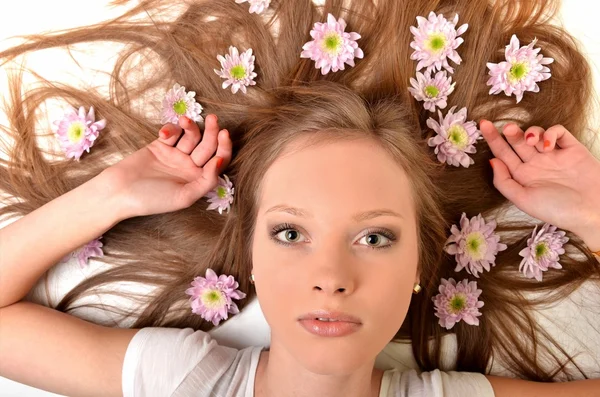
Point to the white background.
(34, 16)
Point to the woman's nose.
(334, 271)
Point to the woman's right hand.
(164, 177)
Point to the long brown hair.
(291, 98)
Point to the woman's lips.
(329, 328)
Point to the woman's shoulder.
(169, 361)
(436, 383)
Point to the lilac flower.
(435, 41)
(475, 245)
(221, 197)
(434, 91)
(542, 251)
(457, 301)
(331, 46)
(77, 132)
(256, 6)
(178, 103)
(455, 137)
(237, 70)
(93, 248)
(521, 71)
(211, 296)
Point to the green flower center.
(221, 192)
(457, 303)
(432, 91)
(458, 136)
(476, 245)
(180, 107)
(518, 71)
(436, 42)
(76, 131)
(213, 298)
(238, 72)
(332, 43)
(541, 249)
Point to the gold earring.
(251, 278)
(416, 289)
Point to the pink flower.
(331, 47)
(237, 70)
(177, 102)
(434, 91)
(542, 251)
(455, 138)
(221, 197)
(77, 131)
(475, 245)
(521, 71)
(435, 41)
(93, 248)
(211, 296)
(457, 301)
(256, 6)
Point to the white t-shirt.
(172, 362)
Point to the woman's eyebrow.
(359, 217)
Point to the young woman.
(339, 222)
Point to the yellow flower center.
(436, 42)
(432, 91)
(180, 107)
(541, 249)
(213, 298)
(76, 131)
(458, 136)
(476, 245)
(221, 192)
(518, 71)
(332, 43)
(457, 303)
(238, 72)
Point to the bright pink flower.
(237, 69)
(456, 302)
(221, 197)
(542, 251)
(77, 131)
(433, 91)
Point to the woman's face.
(335, 231)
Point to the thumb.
(196, 189)
(505, 184)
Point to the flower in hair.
(211, 296)
(435, 41)
(456, 302)
(221, 197)
(331, 46)
(177, 102)
(542, 251)
(523, 69)
(434, 91)
(455, 137)
(256, 6)
(77, 132)
(93, 248)
(237, 69)
(474, 245)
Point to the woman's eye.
(375, 240)
(288, 236)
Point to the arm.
(508, 387)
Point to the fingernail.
(164, 133)
(219, 162)
(529, 135)
(546, 144)
(492, 164)
(216, 118)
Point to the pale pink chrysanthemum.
(456, 302)
(455, 137)
(237, 70)
(93, 248)
(221, 197)
(211, 296)
(331, 46)
(435, 41)
(433, 91)
(523, 69)
(177, 102)
(77, 132)
(257, 6)
(542, 251)
(474, 245)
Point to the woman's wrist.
(591, 236)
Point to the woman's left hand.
(549, 175)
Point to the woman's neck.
(282, 376)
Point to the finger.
(206, 149)
(498, 145)
(209, 179)
(191, 136)
(169, 134)
(561, 137)
(224, 149)
(505, 184)
(520, 141)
